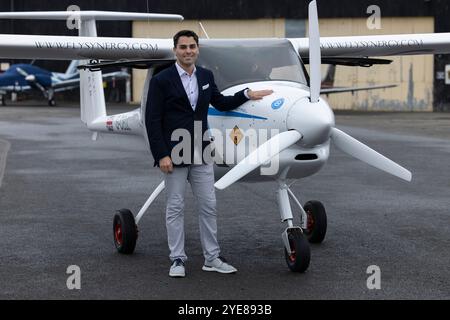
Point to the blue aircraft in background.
(24, 77)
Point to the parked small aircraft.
(303, 122)
(24, 77)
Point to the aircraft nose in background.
(313, 120)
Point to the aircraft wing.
(83, 48)
(109, 48)
(381, 45)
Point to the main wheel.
(125, 231)
(317, 221)
(51, 102)
(298, 260)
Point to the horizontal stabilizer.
(89, 15)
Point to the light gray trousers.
(201, 179)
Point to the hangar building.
(422, 82)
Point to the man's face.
(186, 51)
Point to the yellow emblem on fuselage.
(236, 135)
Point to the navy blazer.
(168, 108)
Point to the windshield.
(236, 62)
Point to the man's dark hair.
(184, 33)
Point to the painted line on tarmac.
(4, 148)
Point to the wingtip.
(405, 175)
(218, 186)
(409, 176)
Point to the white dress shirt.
(190, 84)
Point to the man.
(178, 97)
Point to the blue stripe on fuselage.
(215, 112)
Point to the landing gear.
(313, 221)
(125, 231)
(50, 95)
(299, 256)
(2, 100)
(296, 247)
(316, 225)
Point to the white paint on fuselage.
(274, 121)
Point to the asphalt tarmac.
(59, 191)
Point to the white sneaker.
(219, 265)
(177, 269)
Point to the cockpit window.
(236, 62)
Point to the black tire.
(125, 231)
(52, 103)
(298, 260)
(317, 221)
(3, 101)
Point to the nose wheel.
(300, 254)
(125, 231)
(296, 239)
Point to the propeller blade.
(21, 72)
(314, 52)
(261, 155)
(362, 152)
(31, 78)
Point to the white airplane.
(304, 122)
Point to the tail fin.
(72, 68)
(92, 97)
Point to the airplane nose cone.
(313, 120)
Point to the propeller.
(31, 78)
(343, 141)
(314, 53)
(311, 122)
(360, 151)
(258, 157)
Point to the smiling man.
(178, 97)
